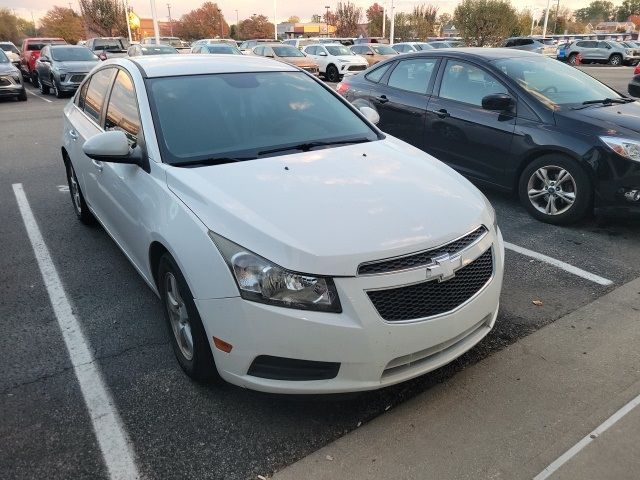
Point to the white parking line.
(40, 96)
(573, 451)
(560, 264)
(112, 438)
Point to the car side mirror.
(113, 147)
(44, 60)
(370, 114)
(498, 102)
(369, 53)
(323, 54)
(269, 55)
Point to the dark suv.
(566, 143)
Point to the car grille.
(431, 298)
(356, 68)
(4, 82)
(77, 78)
(421, 258)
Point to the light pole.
(546, 19)
(170, 24)
(393, 25)
(126, 14)
(384, 17)
(326, 20)
(221, 28)
(154, 15)
(237, 26)
(555, 23)
(275, 20)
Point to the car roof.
(180, 64)
(61, 45)
(480, 53)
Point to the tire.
(56, 89)
(332, 74)
(556, 203)
(33, 78)
(44, 89)
(77, 198)
(573, 59)
(615, 59)
(23, 95)
(183, 322)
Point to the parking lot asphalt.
(179, 429)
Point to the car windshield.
(223, 49)
(7, 47)
(3, 57)
(287, 51)
(383, 50)
(158, 50)
(42, 43)
(553, 82)
(72, 54)
(338, 50)
(199, 117)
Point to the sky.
(285, 8)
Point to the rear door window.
(377, 74)
(413, 75)
(99, 84)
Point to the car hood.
(326, 211)
(612, 118)
(80, 67)
(6, 68)
(299, 61)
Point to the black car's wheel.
(23, 95)
(77, 198)
(615, 59)
(34, 79)
(555, 189)
(573, 59)
(332, 74)
(44, 89)
(188, 337)
(56, 88)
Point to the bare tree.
(104, 18)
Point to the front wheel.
(573, 59)
(77, 198)
(332, 74)
(34, 79)
(56, 89)
(23, 95)
(44, 89)
(188, 337)
(615, 59)
(556, 190)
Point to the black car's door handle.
(442, 113)
(382, 99)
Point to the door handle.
(442, 113)
(73, 134)
(382, 99)
(98, 165)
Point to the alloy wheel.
(178, 316)
(552, 190)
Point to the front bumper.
(71, 81)
(618, 177)
(372, 352)
(347, 69)
(10, 87)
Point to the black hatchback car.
(566, 143)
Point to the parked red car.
(30, 52)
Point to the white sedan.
(335, 61)
(295, 247)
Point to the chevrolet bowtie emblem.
(444, 267)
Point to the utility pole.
(275, 20)
(393, 25)
(326, 19)
(170, 24)
(384, 17)
(237, 26)
(221, 28)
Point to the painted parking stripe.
(560, 264)
(112, 438)
(40, 96)
(573, 451)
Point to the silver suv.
(602, 51)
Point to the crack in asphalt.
(64, 370)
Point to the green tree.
(374, 16)
(63, 22)
(316, 18)
(105, 18)
(423, 21)
(15, 28)
(485, 22)
(402, 27)
(628, 8)
(293, 19)
(596, 11)
(347, 18)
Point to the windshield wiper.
(305, 147)
(605, 102)
(211, 161)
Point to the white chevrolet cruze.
(295, 247)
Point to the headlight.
(624, 147)
(260, 280)
(492, 212)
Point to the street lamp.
(326, 19)
(221, 29)
(237, 26)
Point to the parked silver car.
(61, 68)
(602, 51)
(524, 43)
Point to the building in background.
(311, 29)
